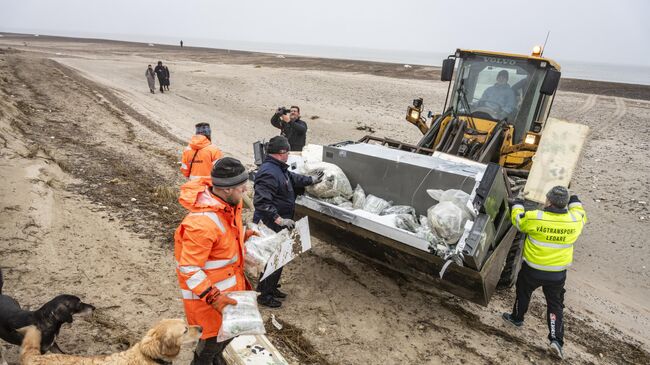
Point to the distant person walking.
(151, 78)
(167, 76)
(181, 43)
(161, 73)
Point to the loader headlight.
(414, 114)
(530, 138)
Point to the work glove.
(574, 199)
(218, 300)
(285, 222)
(317, 178)
(250, 233)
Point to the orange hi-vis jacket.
(198, 157)
(209, 251)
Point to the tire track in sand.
(589, 104)
(621, 109)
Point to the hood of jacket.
(199, 141)
(196, 197)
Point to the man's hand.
(285, 222)
(317, 178)
(218, 300)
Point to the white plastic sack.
(358, 197)
(375, 205)
(447, 221)
(244, 318)
(399, 209)
(334, 183)
(458, 197)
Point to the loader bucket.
(403, 178)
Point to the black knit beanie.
(558, 196)
(228, 172)
(278, 144)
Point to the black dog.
(48, 319)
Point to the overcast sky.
(592, 31)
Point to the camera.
(282, 110)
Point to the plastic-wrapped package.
(425, 232)
(447, 221)
(406, 222)
(346, 205)
(337, 200)
(399, 209)
(244, 318)
(334, 183)
(260, 248)
(375, 205)
(358, 197)
(458, 197)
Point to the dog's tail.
(31, 343)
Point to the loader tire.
(513, 263)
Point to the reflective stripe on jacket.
(198, 157)
(551, 234)
(209, 251)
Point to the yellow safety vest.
(550, 235)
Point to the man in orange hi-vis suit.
(200, 154)
(209, 251)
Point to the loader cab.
(495, 109)
(496, 86)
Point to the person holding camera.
(275, 203)
(291, 126)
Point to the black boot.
(278, 294)
(269, 301)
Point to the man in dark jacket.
(291, 126)
(161, 72)
(275, 204)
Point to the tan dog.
(159, 346)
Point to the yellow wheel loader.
(482, 142)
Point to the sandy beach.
(81, 136)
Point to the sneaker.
(278, 294)
(269, 302)
(557, 349)
(508, 318)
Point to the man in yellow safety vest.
(548, 252)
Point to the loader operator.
(499, 96)
(209, 252)
(548, 252)
(275, 203)
(200, 154)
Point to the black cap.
(558, 196)
(278, 144)
(228, 172)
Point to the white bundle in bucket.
(334, 183)
(375, 205)
(447, 221)
(244, 318)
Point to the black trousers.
(210, 352)
(161, 82)
(268, 285)
(552, 284)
